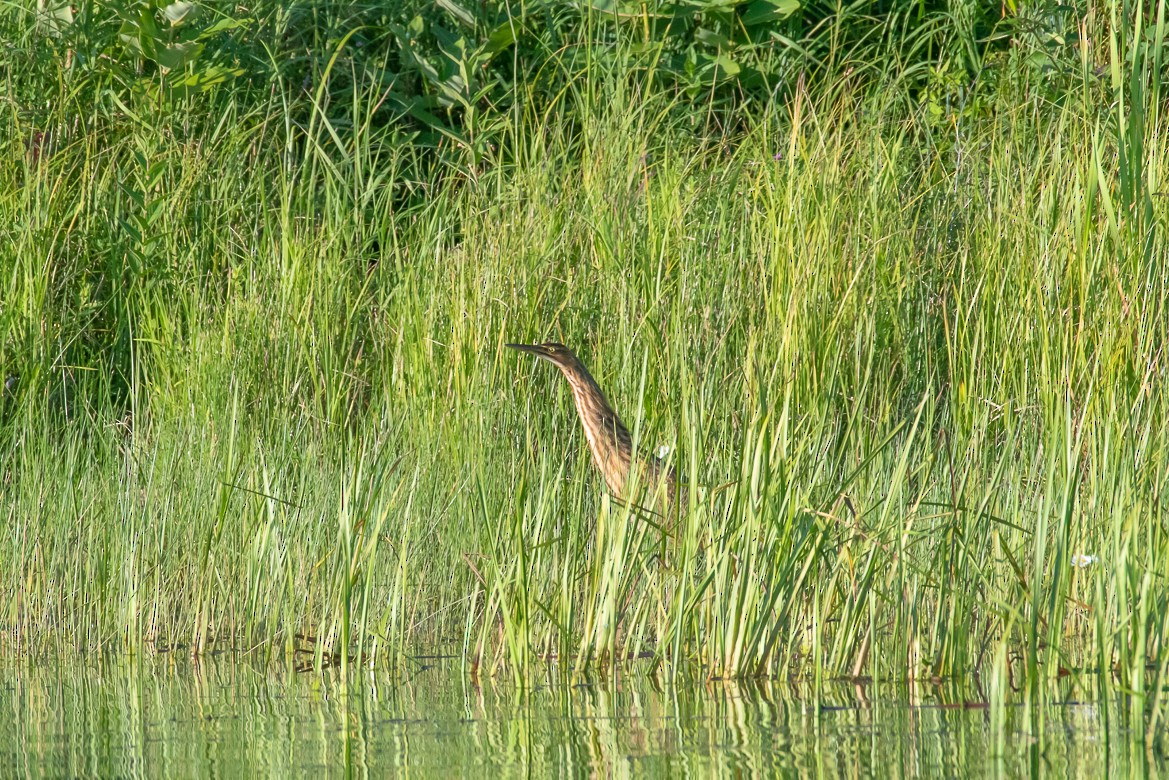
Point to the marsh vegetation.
(888, 279)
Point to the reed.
(905, 343)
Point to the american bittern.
(609, 440)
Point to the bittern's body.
(609, 440)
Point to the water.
(230, 719)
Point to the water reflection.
(230, 718)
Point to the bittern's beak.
(532, 349)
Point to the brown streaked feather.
(609, 441)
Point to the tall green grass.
(911, 365)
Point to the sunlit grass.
(912, 371)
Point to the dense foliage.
(887, 276)
(435, 91)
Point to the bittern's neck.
(585, 390)
(607, 436)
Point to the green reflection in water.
(228, 719)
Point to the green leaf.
(452, 45)
(155, 210)
(411, 55)
(147, 26)
(726, 67)
(128, 35)
(459, 12)
(1039, 60)
(133, 231)
(710, 38)
(178, 55)
(220, 26)
(176, 13)
(203, 80)
(764, 11)
(714, 5)
(503, 36)
(55, 16)
(155, 173)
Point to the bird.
(609, 440)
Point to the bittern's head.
(562, 356)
